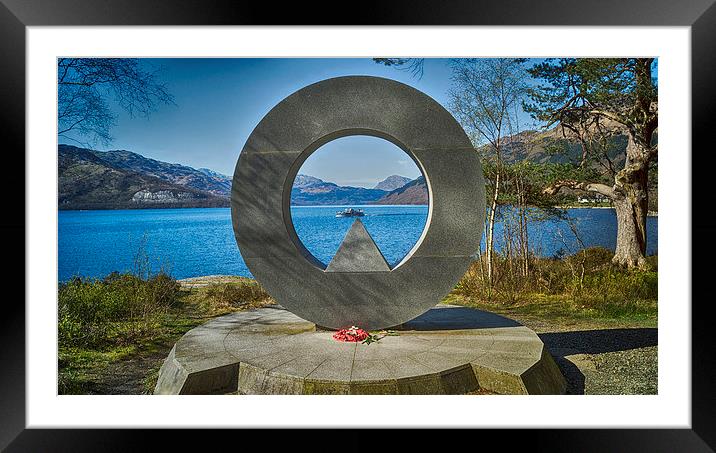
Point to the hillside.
(95, 180)
(392, 182)
(305, 180)
(415, 192)
(317, 192)
(551, 146)
(308, 190)
(203, 179)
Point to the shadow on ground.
(457, 318)
(562, 344)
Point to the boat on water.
(350, 212)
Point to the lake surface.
(194, 242)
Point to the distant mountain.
(309, 192)
(213, 174)
(305, 180)
(392, 182)
(415, 192)
(91, 179)
(121, 179)
(552, 146)
(204, 180)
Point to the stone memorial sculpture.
(357, 287)
(271, 350)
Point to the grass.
(125, 321)
(556, 312)
(117, 310)
(583, 287)
(242, 294)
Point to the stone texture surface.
(295, 128)
(358, 253)
(448, 350)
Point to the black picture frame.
(700, 15)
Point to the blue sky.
(359, 161)
(220, 101)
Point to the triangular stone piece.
(358, 253)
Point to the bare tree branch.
(84, 83)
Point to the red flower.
(351, 334)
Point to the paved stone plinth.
(447, 350)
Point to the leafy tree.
(596, 99)
(84, 83)
(485, 98)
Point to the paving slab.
(448, 350)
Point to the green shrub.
(635, 283)
(593, 258)
(587, 278)
(114, 309)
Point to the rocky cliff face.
(161, 196)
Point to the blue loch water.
(194, 242)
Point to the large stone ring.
(357, 287)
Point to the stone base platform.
(448, 350)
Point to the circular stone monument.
(357, 287)
(446, 350)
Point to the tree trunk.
(631, 207)
(525, 237)
(631, 238)
(489, 239)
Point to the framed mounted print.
(381, 221)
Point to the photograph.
(413, 216)
(358, 226)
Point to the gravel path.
(606, 361)
(598, 356)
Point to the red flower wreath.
(352, 334)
